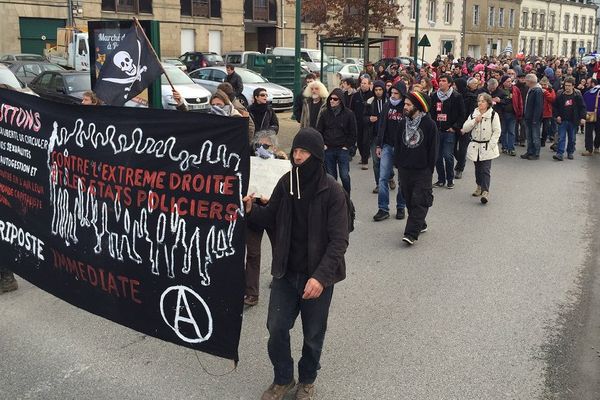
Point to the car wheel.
(243, 100)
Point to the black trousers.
(460, 151)
(591, 129)
(417, 191)
(364, 145)
(483, 174)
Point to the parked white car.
(342, 71)
(7, 77)
(280, 97)
(196, 96)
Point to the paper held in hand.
(265, 173)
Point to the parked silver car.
(196, 96)
(280, 97)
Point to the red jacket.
(517, 102)
(549, 98)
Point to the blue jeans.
(566, 128)
(507, 138)
(386, 167)
(445, 161)
(375, 161)
(284, 306)
(533, 129)
(338, 158)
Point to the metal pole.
(297, 83)
(366, 36)
(70, 13)
(416, 48)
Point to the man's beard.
(410, 114)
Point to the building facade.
(558, 27)
(491, 27)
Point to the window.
(501, 17)
(575, 22)
(413, 10)
(533, 20)
(303, 40)
(475, 15)
(589, 47)
(447, 13)
(582, 24)
(552, 21)
(591, 25)
(491, 17)
(564, 48)
(524, 19)
(431, 10)
(531, 47)
(523, 45)
(511, 18)
(201, 8)
(128, 6)
(444, 51)
(542, 22)
(550, 49)
(567, 23)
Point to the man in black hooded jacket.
(337, 124)
(308, 211)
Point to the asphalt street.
(493, 302)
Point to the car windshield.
(333, 67)
(177, 77)
(30, 57)
(316, 56)
(213, 57)
(8, 78)
(249, 76)
(77, 83)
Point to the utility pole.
(416, 47)
(366, 35)
(70, 13)
(297, 83)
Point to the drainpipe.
(464, 29)
(282, 23)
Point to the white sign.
(265, 173)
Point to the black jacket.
(533, 106)
(383, 122)
(452, 114)
(338, 130)
(268, 121)
(236, 82)
(419, 151)
(372, 109)
(470, 100)
(569, 107)
(357, 106)
(327, 229)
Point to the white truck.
(71, 51)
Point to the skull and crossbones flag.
(127, 70)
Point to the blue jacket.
(534, 105)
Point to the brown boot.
(8, 283)
(277, 392)
(587, 153)
(477, 192)
(305, 391)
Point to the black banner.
(131, 214)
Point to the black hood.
(340, 94)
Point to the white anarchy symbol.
(182, 301)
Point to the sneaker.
(458, 175)
(570, 156)
(597, 150)
(409, 240)
(305, 391)
(277, 392)
(525, 156)
(450, 185)
(250, 300)
(400, 214)
(512, 153)
(8, 283)
(587, 153)
(376, 190)
(439, 184)
(477, 192)
(504, 151)
(533, 158)
(392, 184)
(381, 215)
(424, 228)
(484, 197)
(553, 147)
(557, 157)
(364, 167)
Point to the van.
(238, 58)
(311, 57)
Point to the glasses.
(334, 99)
(265, 146)
(262, 95)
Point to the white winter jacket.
(484, 135)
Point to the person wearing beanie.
(415, 156)
(309, 210)
(372, 115)
(391, 117)
(337, 124)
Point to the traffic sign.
(582, 50)
(424, 42)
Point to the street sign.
(424, 42)
(582, 50)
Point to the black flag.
(128, 70)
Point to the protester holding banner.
(221, 105)
(264, 145)
(262, 113)
(309, 209)
(90, 99)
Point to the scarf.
(305, 177)
(412, 125)
(394, 102)
(444, 96)
(221, 110)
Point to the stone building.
(491, 27)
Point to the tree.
(351, 18)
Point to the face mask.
(394, 102)
(221, 110)
(264, 153)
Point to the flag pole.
(139, 27)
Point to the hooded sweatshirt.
(337, 124)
